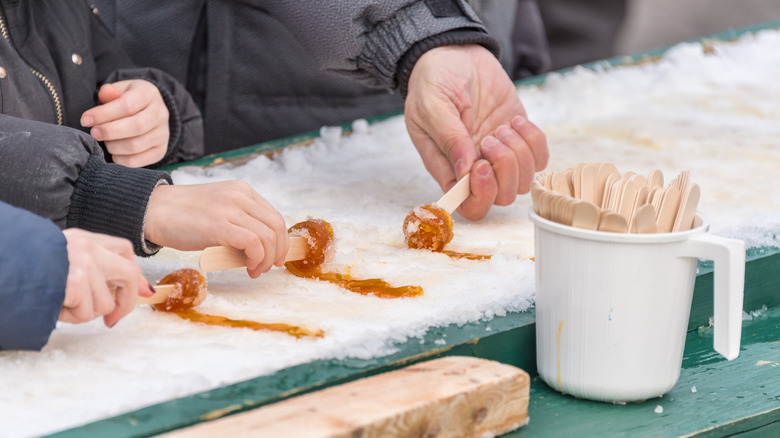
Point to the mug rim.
(607, 236)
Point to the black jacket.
(265, 69)
(54, 56)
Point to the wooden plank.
(448, 397)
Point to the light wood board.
(453, 396)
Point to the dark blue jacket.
(33, 272)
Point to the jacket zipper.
(46, 82)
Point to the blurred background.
(586, 30)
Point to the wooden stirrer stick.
(219, 258)
(687, 210)
(456, 195)
(161, 294)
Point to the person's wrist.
(153, 217)
(458, 37)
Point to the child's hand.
(103, 278)
(225, 213)
(132, 121)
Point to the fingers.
(229, 213)
(132, 121)
(448, 154)
(122, 99)
(483, 192)
(123, 278)
(440, 115)
(103, 278)
(108, 92)
(535, 139)
(131, 124)
(257, 228)
(506, 164)
(516, 153)
(140, 151)
(436, 163)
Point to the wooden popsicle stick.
(456, 195)
(644, 220)
(614, 195)
(586, 215)
(576, 179)
(608, 187)
(555, 207)
(570, 204)
(612, 222)
(536, 196)
(687, 209)
(568, 174)
(654, 198)
(547, 183)
(161, 294)
(544, 204)
(219, 258)
(559, 184)
(588, 183)
(668, 210)
(655, 179)
(627, 197)
(604, 171)
(639, 200)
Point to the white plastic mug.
(612, 308)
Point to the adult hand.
(132, 122)
(226, 213)
(463, 115)
(103, 278)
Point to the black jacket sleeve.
(60, 173)
(33, 274)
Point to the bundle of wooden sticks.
(595, 196)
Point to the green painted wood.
(269, 147)
(762, 287)
(508, 339)
(732, 398)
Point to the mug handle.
(728, 256)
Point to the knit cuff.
(453, 37)
(112, 199)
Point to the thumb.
(450, 133)
(107, 93)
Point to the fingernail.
(489, 142)
(152, 289)
(460, 167)
(483, 169)
(504, 131)
(96, 133)
(518, 121)
(87, 121)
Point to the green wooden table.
(740, 397)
